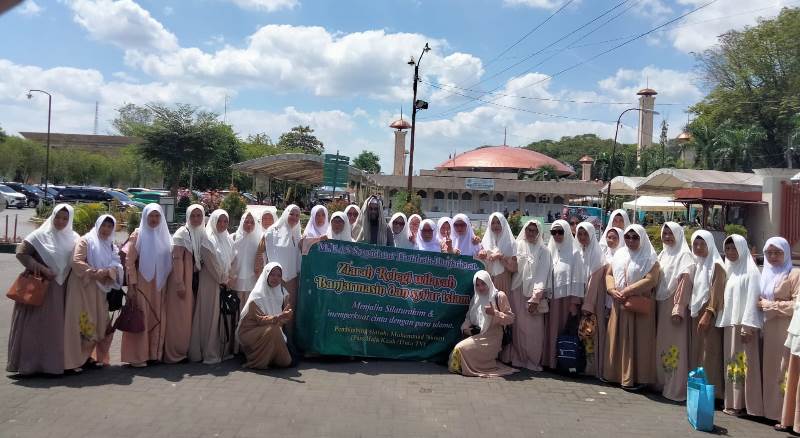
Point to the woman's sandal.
(781, 428)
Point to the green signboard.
(365, 300)
(334, 171)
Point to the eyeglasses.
(460, 225)
(773, 253)
(631, 237)
(574, 223)
(558, 232)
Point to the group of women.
(649, 318)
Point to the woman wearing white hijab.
(96, 269)
(353, 212)
(340, 228)
(489, 311)
(528, 299)
(610, 242)
(428, 239)
(790, 414)
(245, 246)
(36, 339)
(466, 242)
(208, 343)
(498, 251)
(779, 288)
(316, 228)
(630, 350)
(283, 247)
(445, 227)
(741, 320)
(414, 222)
(618, 219)
(266, 311)
(568, 284)
(594, 302)
(183, 282)
(148, 264)
(399, 226)
(672, 310)
(268, 219)
(705, 340)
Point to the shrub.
(43, 210)
(479, 232)
(235, 205)
(210, 200)
(735, 229)
(86, 215)
(654, 233)
(132, 218)
(337, 205)
(400, 205)
(515, 222)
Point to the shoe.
(781, 428)
(733, 412)
(634, 388)
(139, 365)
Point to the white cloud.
(30, 9)
(699, 31)
(543, 4)
(671, 85)
(123, 23)
(658, 9)
(266, 5)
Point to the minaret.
(647, 101)
(400, 127)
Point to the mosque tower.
(400, 125)
(647, 101)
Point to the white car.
(12, 198)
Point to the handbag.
(28, 289)
(229, 303)
(130, 319)
(638, 304)
(114, 298)
(700, 401)
(570, 352)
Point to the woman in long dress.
(265, 313)
(148, 264)
(741, 320)
(779, 289)
(498, 251)
(36, 339)
(618, 219)
(353, 212)
(672, 310)
(528, 299)
(428, 238)
(594, 302)
(489, 311)
(401, 236)
(705, 339)
(316, 228)
(245, 246)
(630, 350)
(790, 414)
(464, 238)
(340, 228)
(96, 269)
(568, 285)
(268, 219)
(210, 343)
(283, 247)
(183, 282)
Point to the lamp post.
(416, 105)
(614, 150)
(47, 157)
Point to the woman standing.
(466, 242)
(353, 212)
(672, 312)
(283, 247)
(705, 340)
(265, 313)
(633, 277)
(741, 320)
(399, 226)
(245, 247)
(618, 219)
(568, 284)
(414, 222)
(594, 303)
(498, 251)
(96, 269)
(489, 312)
(445, 227)
(36, 339)
(316, 228)
(268, 218)
(183, 283)
(779, 288)
(340, 228)
(528, 299)
(148, 263)
(428, 239)
(209, 343)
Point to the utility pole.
(415, 105)
(47, 157)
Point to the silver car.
(12, 198)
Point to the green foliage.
(399, 204)
(132, 119)
(86, 215)
(754, 76)
(735, 229)
(301, 138)
(515, 222)
(132, 219)
(571, 149)
(336, 205)
(235, 205)
(654, 233)
(479, 232)
(43, 210)
(367, 161)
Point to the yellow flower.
(455, 361)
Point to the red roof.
(497, 158)
(400, 124)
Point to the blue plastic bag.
(700, 401)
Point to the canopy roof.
(302, 168)
(623, 185)
(666, 181)
(654, 203)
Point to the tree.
(571, 149)
(367, 161)
(300, 138)
(131, 119)
(544, 173)
(3, 135)
(754, 77)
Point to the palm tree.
(734, 145)
(543, 173)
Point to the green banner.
(372, 301)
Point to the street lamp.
(416, 104)
(47, 158)
(614, 149)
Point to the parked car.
(12, 198)
(83, 194)
(250, 198)
(147, 197)
(124, 199)
(33, 193)
(135, 190)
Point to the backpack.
(570, 353)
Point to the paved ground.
(327, 399)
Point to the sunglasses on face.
(558, 232)
(460, 225)
(631, 237)
(774, 253)
(574, 223)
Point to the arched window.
(484, 197)
(422, 194)
(438, 194)
(530, 198)
(543, 199)
(498, 197)
(558, 200)
(452, 195)
(466, 196)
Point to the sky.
(534, 69)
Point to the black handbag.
(228, 314)
(114, 298)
